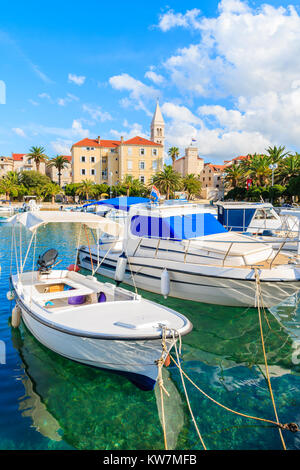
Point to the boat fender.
(16, 316)
(165, 283)
(168, 360)
(121, 268)
(10, 295)
(74, 267)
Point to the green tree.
(276, 154)
(293, 187)
(173, 152)
(289, 167)
(33, 179)
(38, 155)
(8, 187)
(86, 188)
(235, 175)
(258, 168)
(59, 162)
(192, 185)
(52, 189)
(167, 180)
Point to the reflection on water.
(49, 402)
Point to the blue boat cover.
(236, 219)
(178, 227)
(122, 203)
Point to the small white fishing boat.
(88, 321)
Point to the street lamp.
(110, 190)
(273, 167)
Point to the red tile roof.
(68, 157)
(215, 167)
(141, 141)
(18, 156)
(95, 143)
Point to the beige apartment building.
(6, 165)
(191, 163)
(23, 162)
(66, 173)
(211, 176)
(109, 161)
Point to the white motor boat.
(262, 220)
(91, 322)
(188, 254)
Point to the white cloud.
(96, 113)
(154, 77)
(76, 131)
(34, 103)
(68, 99)
(138, 91)
(132, 130)
(77, 79)
(19, 131)
(180, 113)
(45, 96)
(171, 20)
(248, 57)
(62, 147)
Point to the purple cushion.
(102, 297)
(77, 300)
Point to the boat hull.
(136, 359)
(230, 287)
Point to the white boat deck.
(123, 314)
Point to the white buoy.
(165, 283)
(10, 295)
(121, 268)
(16, 316)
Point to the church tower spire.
(158, 126)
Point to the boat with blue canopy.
(185, 252)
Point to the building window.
(142, 165)
(92, 159)
(154, 165)
(209, 179)
(82, 171)
(104, 174)
(93, 172)
(82, 159)
(129, 151)
(154, 152)
(129, 165)
(92, 148)
(142, 179)
(88, 148)
(103, 160)
(142, 151)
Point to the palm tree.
(192, 185)
(8, 187)
(173, 152)
(38, 155)
(288, 168)
(167, 180)
(277, 154)
(59, 162)
(235, 175)
(86, 188)
(258, 168)
(51, 189)
(128, 183)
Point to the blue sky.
(226, 73)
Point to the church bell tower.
(158, 126)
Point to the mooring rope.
(258, 297)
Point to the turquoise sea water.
(48, 402)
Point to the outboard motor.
(121, 268)
(46, 261)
